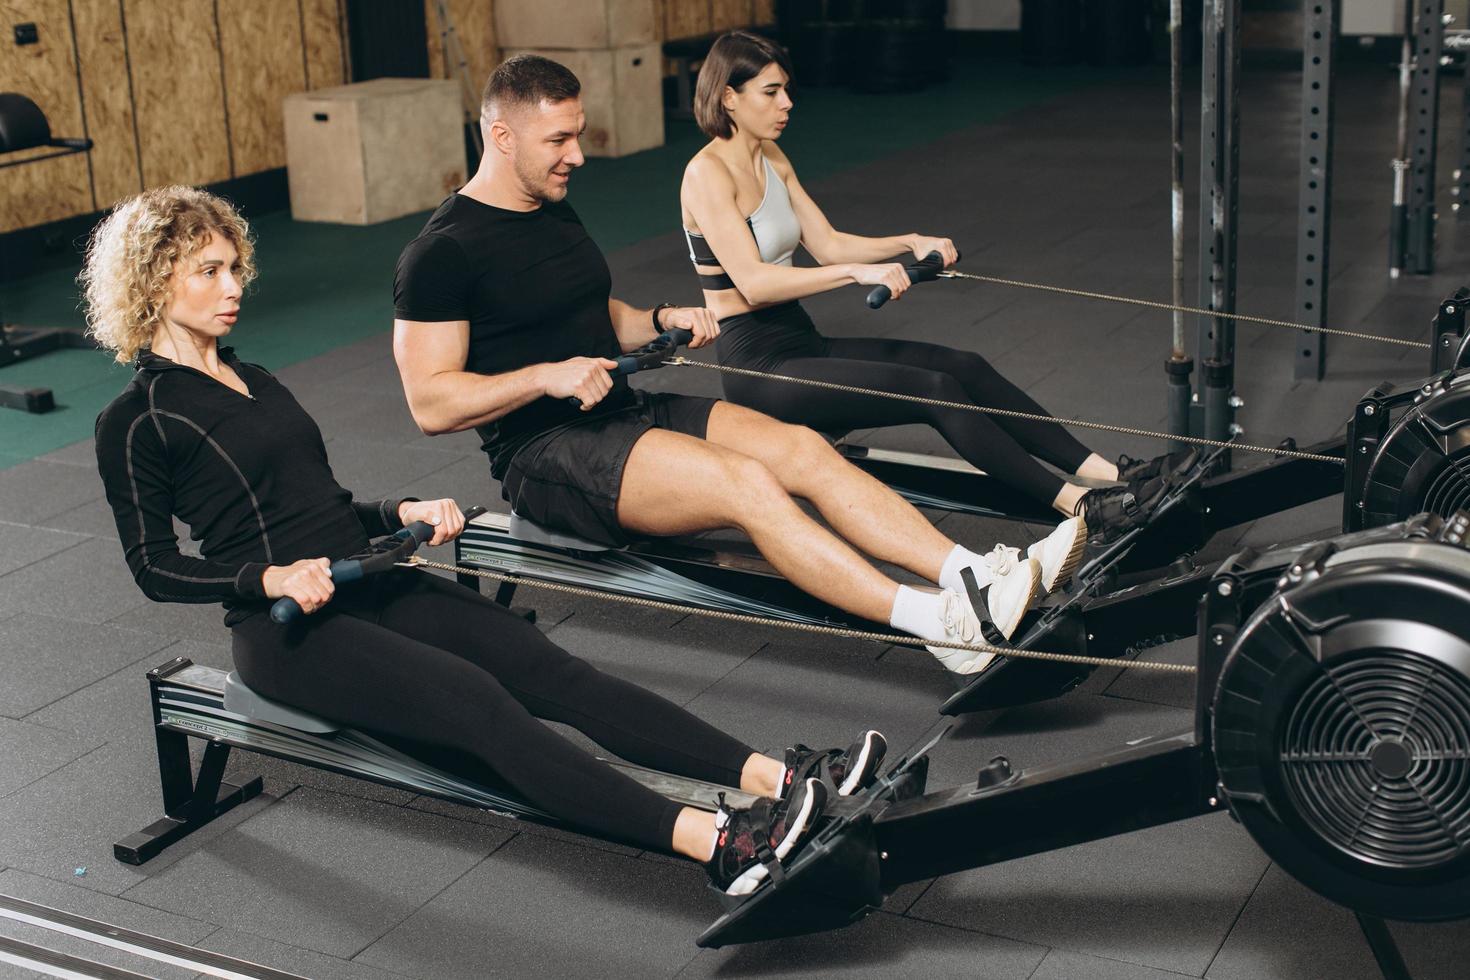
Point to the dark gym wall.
(387, 39)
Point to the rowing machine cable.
(1008, 413)
(747, 619)
(1174, 308)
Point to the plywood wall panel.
(321, 22)
(436, 44)
(763, 12)
(148, 81)
(474, 24)
(107, 100)
(179, 102)
(46, 72)
(726, 15)
(261, 46)
(687, 18)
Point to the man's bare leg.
(861, 508)
(677, 484)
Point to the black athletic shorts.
(568, 478)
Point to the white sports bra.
(773, 223)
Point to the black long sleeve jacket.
(248, 474)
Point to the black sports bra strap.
(709, 280)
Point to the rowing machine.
(1096, 619)
(1407, 452)
(1332, 719)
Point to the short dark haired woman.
(744, 213)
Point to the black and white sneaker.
(751, 844)
(1112, 512)
(846, 772)
(1173, 464)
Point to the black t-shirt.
(534, 288)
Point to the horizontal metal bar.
(1154, 782)
(140, 943)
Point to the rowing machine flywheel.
(1342, 726)
(1420, 462)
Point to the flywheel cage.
(1376, 756)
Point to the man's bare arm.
(633, 326)
(444, 397)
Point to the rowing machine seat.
(524, 529)
(241, 700)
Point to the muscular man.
(503, 314)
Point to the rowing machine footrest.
(835, 880)
(1010, 681)
(241, 700)
(523, 529)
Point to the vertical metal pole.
(1398, 221)
(1219, 210)
(1179, 366)
(1313, 221)
(1424, 134)
(1461, 190)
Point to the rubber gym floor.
(1058, 176)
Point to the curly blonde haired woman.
(128, 277)
(221, 444)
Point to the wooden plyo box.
(622, 94)
(577, 24)
(363, 153)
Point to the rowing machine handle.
(663, 345)
(925, 270)
(650, 355)
(345, 570)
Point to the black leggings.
(1002, 447)
(421, 660)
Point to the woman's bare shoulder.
(705, 165)
(778, 158)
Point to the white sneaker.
(1001, 602)
(960, 626)
(1014, 585)
(1060, 552)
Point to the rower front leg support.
(188, 802)
(1385, 950)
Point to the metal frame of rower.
(1139, 785)
(1143, 578)
(1110, 610)
(189, 701)
(869, 845)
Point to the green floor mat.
(325, 286)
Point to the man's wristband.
(658, 327)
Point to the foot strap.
(766, 855)
(989, 632)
